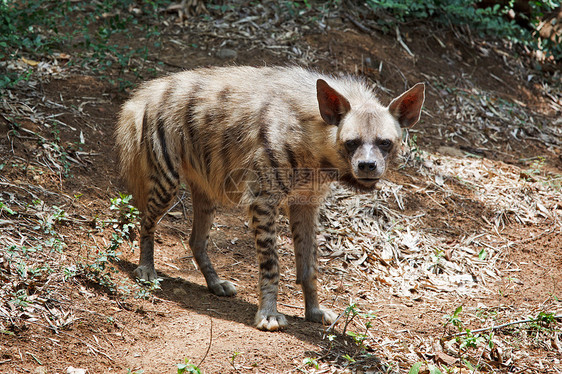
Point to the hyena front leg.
(203, 214)
(263, 218)
(302, 219)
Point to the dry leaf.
(30, 62)
(443, 358)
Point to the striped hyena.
(262, 136)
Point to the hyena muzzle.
(263, 137)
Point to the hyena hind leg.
(302, 219)
(159, 198)
(203, 214)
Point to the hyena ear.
(406, 108)
(333, 106)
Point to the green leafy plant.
(542, 321)
(6, 208)
(309, 361)
(96, 35)
(415, 369)
(489, 21)
(233, 359)
(454, 319)
(146, 288)
(189, 368)
(359, 338)
(20, 298)
(469, 340)
(102, 267)
(127, 217)
(52, 217)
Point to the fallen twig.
(498, 326)
(399, 38)
(358, 24)
(210, 343)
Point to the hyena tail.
(133, 160)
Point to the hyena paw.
(223, 288)
(147, 273)
(324, 316)
(270, 321)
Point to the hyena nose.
(367, 166)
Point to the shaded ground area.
(470, 218)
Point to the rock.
(226, 53)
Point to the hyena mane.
(208, 123)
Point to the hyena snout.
(367, 166)
(369, 169)
(368, 163)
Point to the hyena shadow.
(197, 298)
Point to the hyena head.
(369, 134)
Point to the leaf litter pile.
(393, 246)
(385, 239)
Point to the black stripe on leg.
(208, 159)
(163, 144)
(148, 143)
(263, 135)
(273, 278)
(191, 125)
(157, 167)
(265, 243)
(265, 228)
(294, 226)
(296, 238)
(269, 265)
(279, 178)
(260, 211)
(160, 188)
(291, 156)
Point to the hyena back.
(261, 136)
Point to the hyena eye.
(351, 145)
(385, 144)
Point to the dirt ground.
(76, 322)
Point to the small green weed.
(50, 219)
(6, 208)
(416, 368)
(233, 359)
(309, 361)
(20, 298)
(414, 155)
(146, 288)
(127, 217)
(454, 319)
(359, 338)
(188, 368)
(542, 321)
(138, 371)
